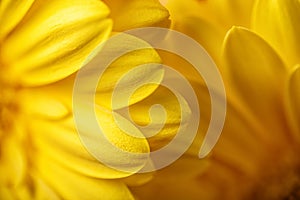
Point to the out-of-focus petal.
(294, 100)
(135, 13)
(69, 184)
(206, 34)
(54, 39)
(186, 170)
(277, 22)
(11, 13)
(217, 12)
(255, 67)
(233, 12)
(55, 104)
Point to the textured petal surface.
(277, 22)
(69, 151)
(125, 71)
(54, 39)
(135, 13)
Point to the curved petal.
(69, 151)
(135, 14)
(11, 13)
(221, 13)
(70, 185)
(54, 39)
(121, 72)
(51, 102)
(294, 100)
(257, 76)
(277, 21)
(160, 125)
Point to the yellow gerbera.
(43, 44)
(257, 154)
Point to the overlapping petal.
(277, 22)
(70, 184)
(54, 39)
(11, 13)
(135, 14)
(294, 99)
(70, 152)
(120, 73)
(162, 123)
(256, 68)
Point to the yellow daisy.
(256, 156)
(43, 44)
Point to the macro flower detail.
(42, 46)
(256, 156)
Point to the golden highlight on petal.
(54, 39)
(251, 62)
(136, 13)
(277, 22)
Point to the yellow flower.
(256, 156)
(43, 44)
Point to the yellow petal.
(72, 185)
(12, 162)
(217, 12)
(69, 151)
(257, 76)
(54, 39)
(162, 126)
(135, 13)
(11, 13)
(233, 12)
(206, 34)
(277, 21)
(52, 102)
(294, 100)
(191, 8)
(134, 63)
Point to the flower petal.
(277, 22)
(163, 125)
(294, 100)
(54, 39)
(63, 136)
(233, 12)
(135, 13)
(121, 71)
(216, 12)
(177, 181)
(257, 75)
(206, 34)
(54, 104)
(72, 185)
(11, 13)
